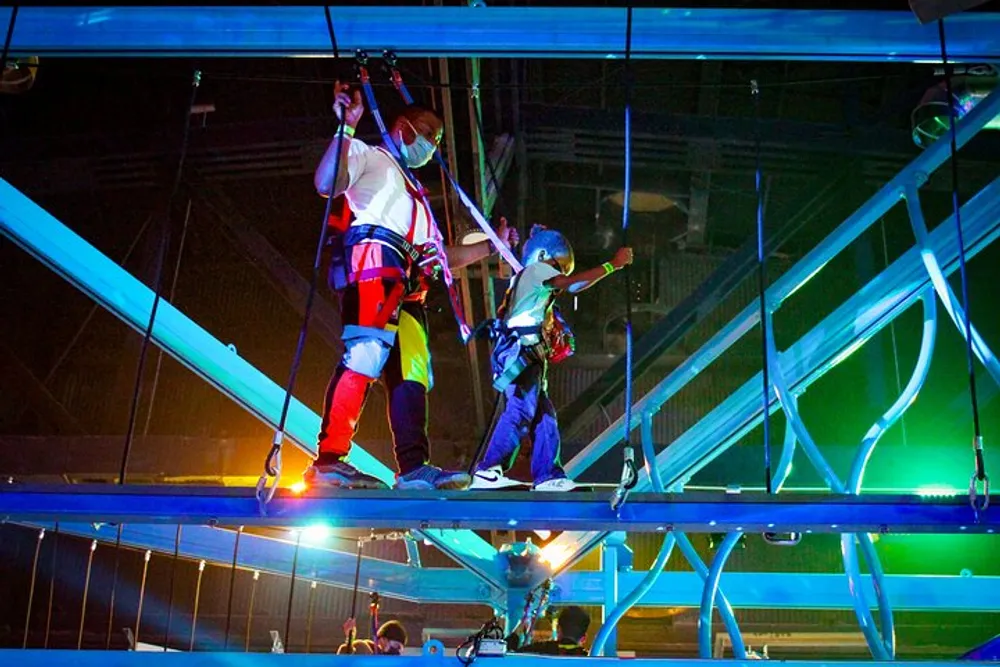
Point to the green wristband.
(345, 130)
(609, 268)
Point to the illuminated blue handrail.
(798, 275)
(725, 609)
(708, 596)
(883, 645)
(945, 293)
(637, 593)
(881, 649)
(784, 468)
(790, 407)
(838, 336)
(905, 399)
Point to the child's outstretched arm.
(581, 280)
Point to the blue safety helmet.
(545, 244)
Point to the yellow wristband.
(346, 130)
(609, 268)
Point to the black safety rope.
(354, 599)
(170, 597)
(630, 474)
(7, 40)
(762, 286)
(272, 463)
(232, 587)
(158, 280)
(979, 500)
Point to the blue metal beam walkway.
(648, 512)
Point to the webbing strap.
(484, 225)
(435, 232)
(360, 233)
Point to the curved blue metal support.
(630, 600)
(784, 468)
(790, 407)
(725, 609)
(947, 295)
(649, 454)
(709, 591)
(881, 649)
(883, 645)
(905, 399)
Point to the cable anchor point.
(979, 498)
(629, 479)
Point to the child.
(529, 335)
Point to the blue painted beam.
(745, 590)
(500, 32)
(96, 275)
(43, 658)
(705, 512)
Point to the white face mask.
(419, 152)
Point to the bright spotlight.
(298, 487)
(316, 533)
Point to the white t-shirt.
(532, 297)
(378, 195)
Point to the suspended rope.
(31, 588)
(232, 587)
(114, 588)
(170, 597)
(630, 475)
(418, 191)
(7, 40)
(158, 280)
(52, 584)
(474, 212)
(170, 298)
(762, 286)
(272, 463)
(979, 484)
(291, 590)
(354, 601)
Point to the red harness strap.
(419, 196)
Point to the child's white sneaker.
(491, 479)
(556, 484)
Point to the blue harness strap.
(477, 215)
(453, 297)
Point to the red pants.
(385, 339)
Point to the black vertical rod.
(31, 588)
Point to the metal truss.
(576, 33)
(500, 32)
(650, 512)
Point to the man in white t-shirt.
(387, 255)
(520, 361)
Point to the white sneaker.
(492, 478)
(556, 484)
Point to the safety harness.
(514, 348)
(420, 258)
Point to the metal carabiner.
(979, 501)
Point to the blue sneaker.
(340, 475)
(428, 478)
